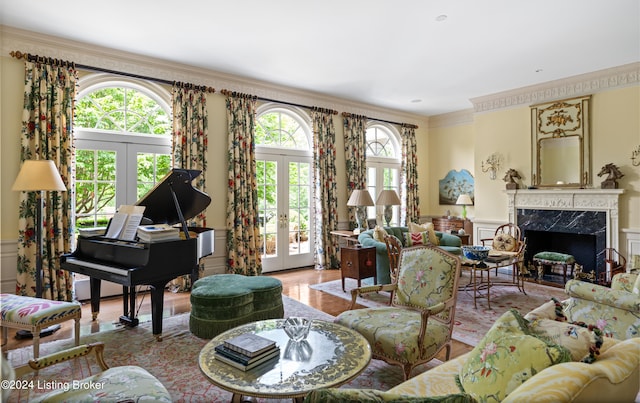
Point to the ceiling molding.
(14, 39)
(584, 84)
(463, 117)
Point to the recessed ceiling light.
(416, 101)
(441, 17)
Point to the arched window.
(122, 134)
(284, 176)
(383, 166)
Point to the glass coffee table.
(330, 356)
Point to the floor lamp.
(38, 176)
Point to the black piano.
(132, 263)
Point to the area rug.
(174, 359)
(471, 324)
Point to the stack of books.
(157, 233)
(247, 351)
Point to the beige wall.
(615, 130)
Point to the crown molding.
(584, 84)
(463, 117)
(15, 39)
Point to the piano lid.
(159, 203)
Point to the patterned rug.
(174, 360)
(471, 324)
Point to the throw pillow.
(428, 227)
(504, 242)
(418, 238)
(577, 339)
(552, 309)
(379, 233)
(506, 357)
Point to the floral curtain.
(243, 231)
(190, 129)
(47, 124)
(355, 146)
(324, 158)
(409, 175)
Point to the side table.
(358, 262)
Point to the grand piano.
(133, 263)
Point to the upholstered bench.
(552, 259)
(224, 301)
(36, 314)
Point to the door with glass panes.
(284, 186)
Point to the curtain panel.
(47, 125)
(355, 143)
(409, 176)
(326, 192)
(244, 244)
(189, 150)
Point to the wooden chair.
(393, 249)
(507, 238)
(421, 317)
(614, 263)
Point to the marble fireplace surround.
(576, 211)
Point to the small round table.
(330, 356)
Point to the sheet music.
(124, 223)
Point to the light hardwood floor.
(295, 284)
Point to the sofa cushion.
(506, 357)
(428, 227)
(331, 395)
(416, 238)
(580, 341)
(379, 233)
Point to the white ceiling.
(389, 53)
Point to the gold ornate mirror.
(561, 144)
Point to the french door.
(284, 187)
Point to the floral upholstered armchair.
(419, 322)
(615, 310)
(118, 384)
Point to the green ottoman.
(552, 259)
(224, 301)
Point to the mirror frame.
(556, 120)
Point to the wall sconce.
(635, 157)
(491, 165)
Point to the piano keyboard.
(97, 266)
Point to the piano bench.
(36, 314)
(223, 301)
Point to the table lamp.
(388, 198)
(38, 176)
(464, 200)
(360, 199)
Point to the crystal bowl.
(476, 252)
(297, 328)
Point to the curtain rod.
(409, 125)
(33, 58)
(331, 111)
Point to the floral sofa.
(615, 310)
(548, 355)
(448, 242)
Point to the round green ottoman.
(224, 301)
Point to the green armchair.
(448, 242)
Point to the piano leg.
(129, 307)
(157, 306)
(94, 290)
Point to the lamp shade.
(360, 198)
(388, 197)
(464, 200)
(38, 175)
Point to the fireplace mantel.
(569, 199)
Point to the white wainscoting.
(632, 235)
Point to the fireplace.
(578, 233)
(579, 222)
